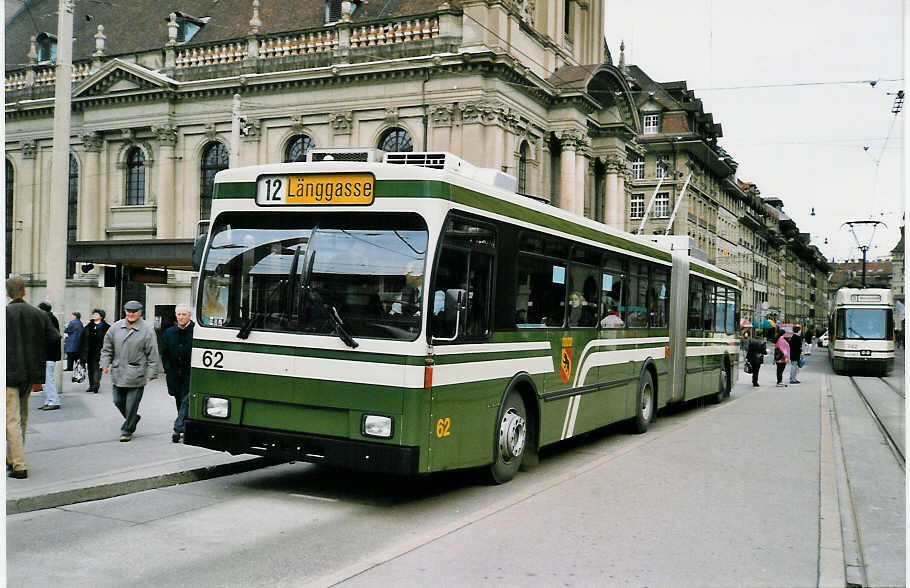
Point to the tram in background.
(861, 331)
(411, 313)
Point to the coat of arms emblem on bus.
(565, 361)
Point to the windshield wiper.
(342, 331)
(852, 330)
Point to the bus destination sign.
(318, 189)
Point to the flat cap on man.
(133, 305)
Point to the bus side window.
(541, 292)
(695, 304)
(451, 277)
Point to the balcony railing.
(261, 48)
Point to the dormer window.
(46, 45)
(188, 26)
(334, 12)
(650, 124)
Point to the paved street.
(744, 493)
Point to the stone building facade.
(166, 95)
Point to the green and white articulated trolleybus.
(861, 331)
(411, 313)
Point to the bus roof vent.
(365, 155)
(455, 164)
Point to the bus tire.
(644, 403)
(723, 386)
(510, 436)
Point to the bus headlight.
(216, 407)
(377, 426)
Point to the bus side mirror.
(202, 230)
(451, 314)
(198, 250)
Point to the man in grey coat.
(130, 355)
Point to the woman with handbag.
(755, 355)
(781, 357)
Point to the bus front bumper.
(284, 446)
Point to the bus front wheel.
(511, 434)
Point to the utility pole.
(55, 255)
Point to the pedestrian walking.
(796, 347)
(176, 348)
(29, 335)
(781, 356)
(90, 343)
(755, 355)
(73, 331)
(130, 355)
(51, 394)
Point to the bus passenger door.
(462, 412)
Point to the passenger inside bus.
(581, 314)
(612, 320)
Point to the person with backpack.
(781, 356)
(755, 355)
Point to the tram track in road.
(893, 387)
(880, 423)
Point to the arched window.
(9, 218)
(72, 207)
(523, 168)
(135, 177)
(298, 147)
(214, 159)
(396, 139)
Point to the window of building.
(135, 177)
(637, 206)
(650, 124)
(333, 10)
(72, 211)
(523, 168)
(214, 159)
(9, 217)
(297, 148)
(662, 205)
(567, 18)
(46, 45)
(396, 139)
(638, 167)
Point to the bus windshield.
(316, 273)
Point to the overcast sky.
(803, 143)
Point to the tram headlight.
(217, 407)
(377, 426)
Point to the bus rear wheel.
(511, 434)
(644, 403)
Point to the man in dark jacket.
(755, 355)
(51, 394)
(90, 343)
(176, 349)
(29, 335)
(796, 349)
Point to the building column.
(567, 167)
(614, 207)
(166, 185)
(91, 210)
(581, 170)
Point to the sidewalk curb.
(103, 491)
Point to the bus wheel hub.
(511, 435)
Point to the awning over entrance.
(154, 253)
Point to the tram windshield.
(865, 323)
(350, 274)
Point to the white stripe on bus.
(490, 347)
(476, 371)
(603, 358)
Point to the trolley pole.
(55, 255)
